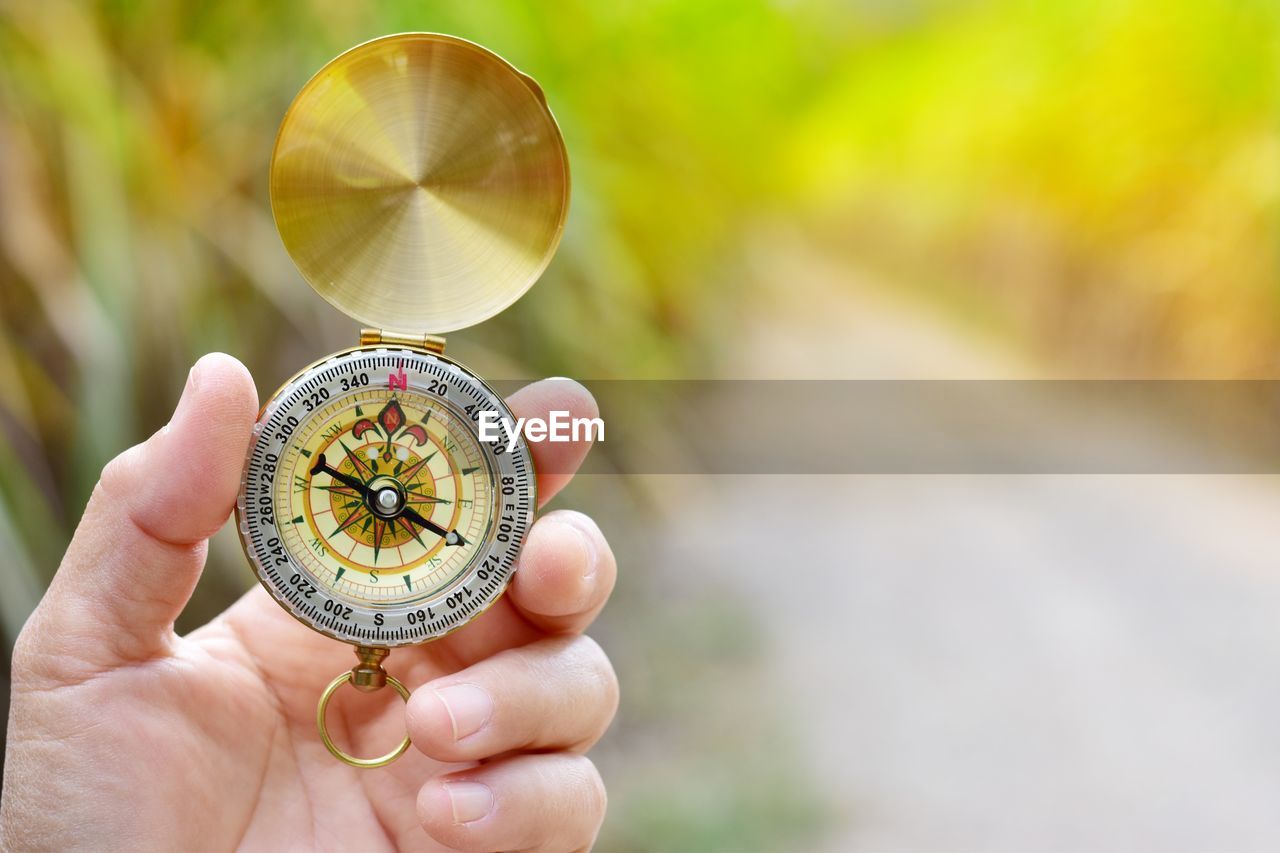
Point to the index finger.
(555, 461)
(567, 568)
(565, 575)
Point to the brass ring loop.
(328, 741)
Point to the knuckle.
(577, 802)
(36, 664)
(592, 791)
(117, 473)
(24, 651)
(565, 693)
(588, 694)
(604, 679)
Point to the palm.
(244, 689)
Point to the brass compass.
(420, 184)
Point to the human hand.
(123, 735)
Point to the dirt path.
(999, 662)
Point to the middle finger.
(557, 693)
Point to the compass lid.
(420, 183)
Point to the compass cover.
(420, 183)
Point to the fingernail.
(470, 800)
(469, 707)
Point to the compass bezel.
(487, 573)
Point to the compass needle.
(418, 497)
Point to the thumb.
(141, 544)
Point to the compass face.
(370, 508)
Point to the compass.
(420, 184)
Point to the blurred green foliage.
(1101, 177)
(1094, 182)
(1097, 180)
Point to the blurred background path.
(999, 662)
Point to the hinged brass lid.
(420, 182)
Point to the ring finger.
(554, 801)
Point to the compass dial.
(370, 508)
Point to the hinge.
(431, 343)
